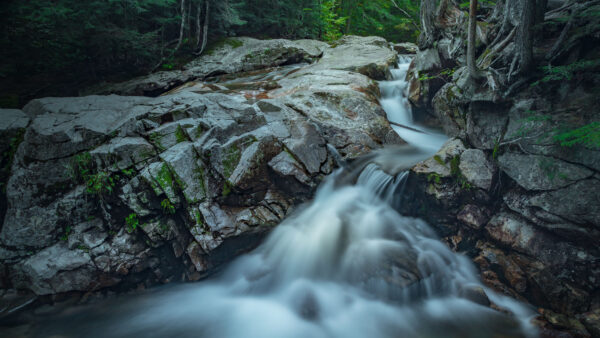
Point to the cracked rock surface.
(121, 191)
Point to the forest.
(69, 43)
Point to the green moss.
(439, 160)
(199, 131)
(231, 158)
(155, 139)
(461, 180)
(8, 157)
(434, 177)
(234, 43)
(180, 135)
(227, 187)
(66, 233)
(201, 176)
(198, 217)
(165, 178)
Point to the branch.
(412, 21)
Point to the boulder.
(111, 191)
(232, 55)
(477, 169)
(405, 48)
(535, 172)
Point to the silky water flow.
(344, 265)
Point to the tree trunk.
(540, 11)
(182, 27)
(471, 66)
(526, 36)
(428, 30)
(189, 18)
(198, 26)
(205, 29)
(443, 6)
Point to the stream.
(344, 265)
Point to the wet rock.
(178, 184)
(12, 121)
(187, 171)
(54, 270)
(473, 216)
(535, 172)
(308, 147)
(286, 165)
(65, 126)
(477, 169)
(564, 322)
(486, 124)
(446, 103)
(578, 202)
(439, 163)
(373, 60)
(426, 63)
(405, 48)
(591, 321)
(234, 55)
(123, 152)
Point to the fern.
(588, 135)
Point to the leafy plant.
(67, 232)
(434, 177)
(128, 172)
(445, 75)
(588, 135)
(132, 222)
(457, 173)
(565, 72)
(167, 206)
(102, 183)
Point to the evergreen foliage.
(76, 43)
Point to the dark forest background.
(56, 47)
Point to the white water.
(346, 265)
(395, 103)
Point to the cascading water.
(345, 265)
(395, 103)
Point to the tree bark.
(182, 26)
(540, 11)
(526, 36)
(205, 29)
(442, 7)
(189, 18)
(198, 26)
(471, 66)
(428, 29)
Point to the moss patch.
(231, 158)
(180, 135)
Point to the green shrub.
(167, 206)
(588, 135)
(132, 222)
(566, 72)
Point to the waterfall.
(395, 103)
(345, 265)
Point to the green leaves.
(132, 222)
(588, 135)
